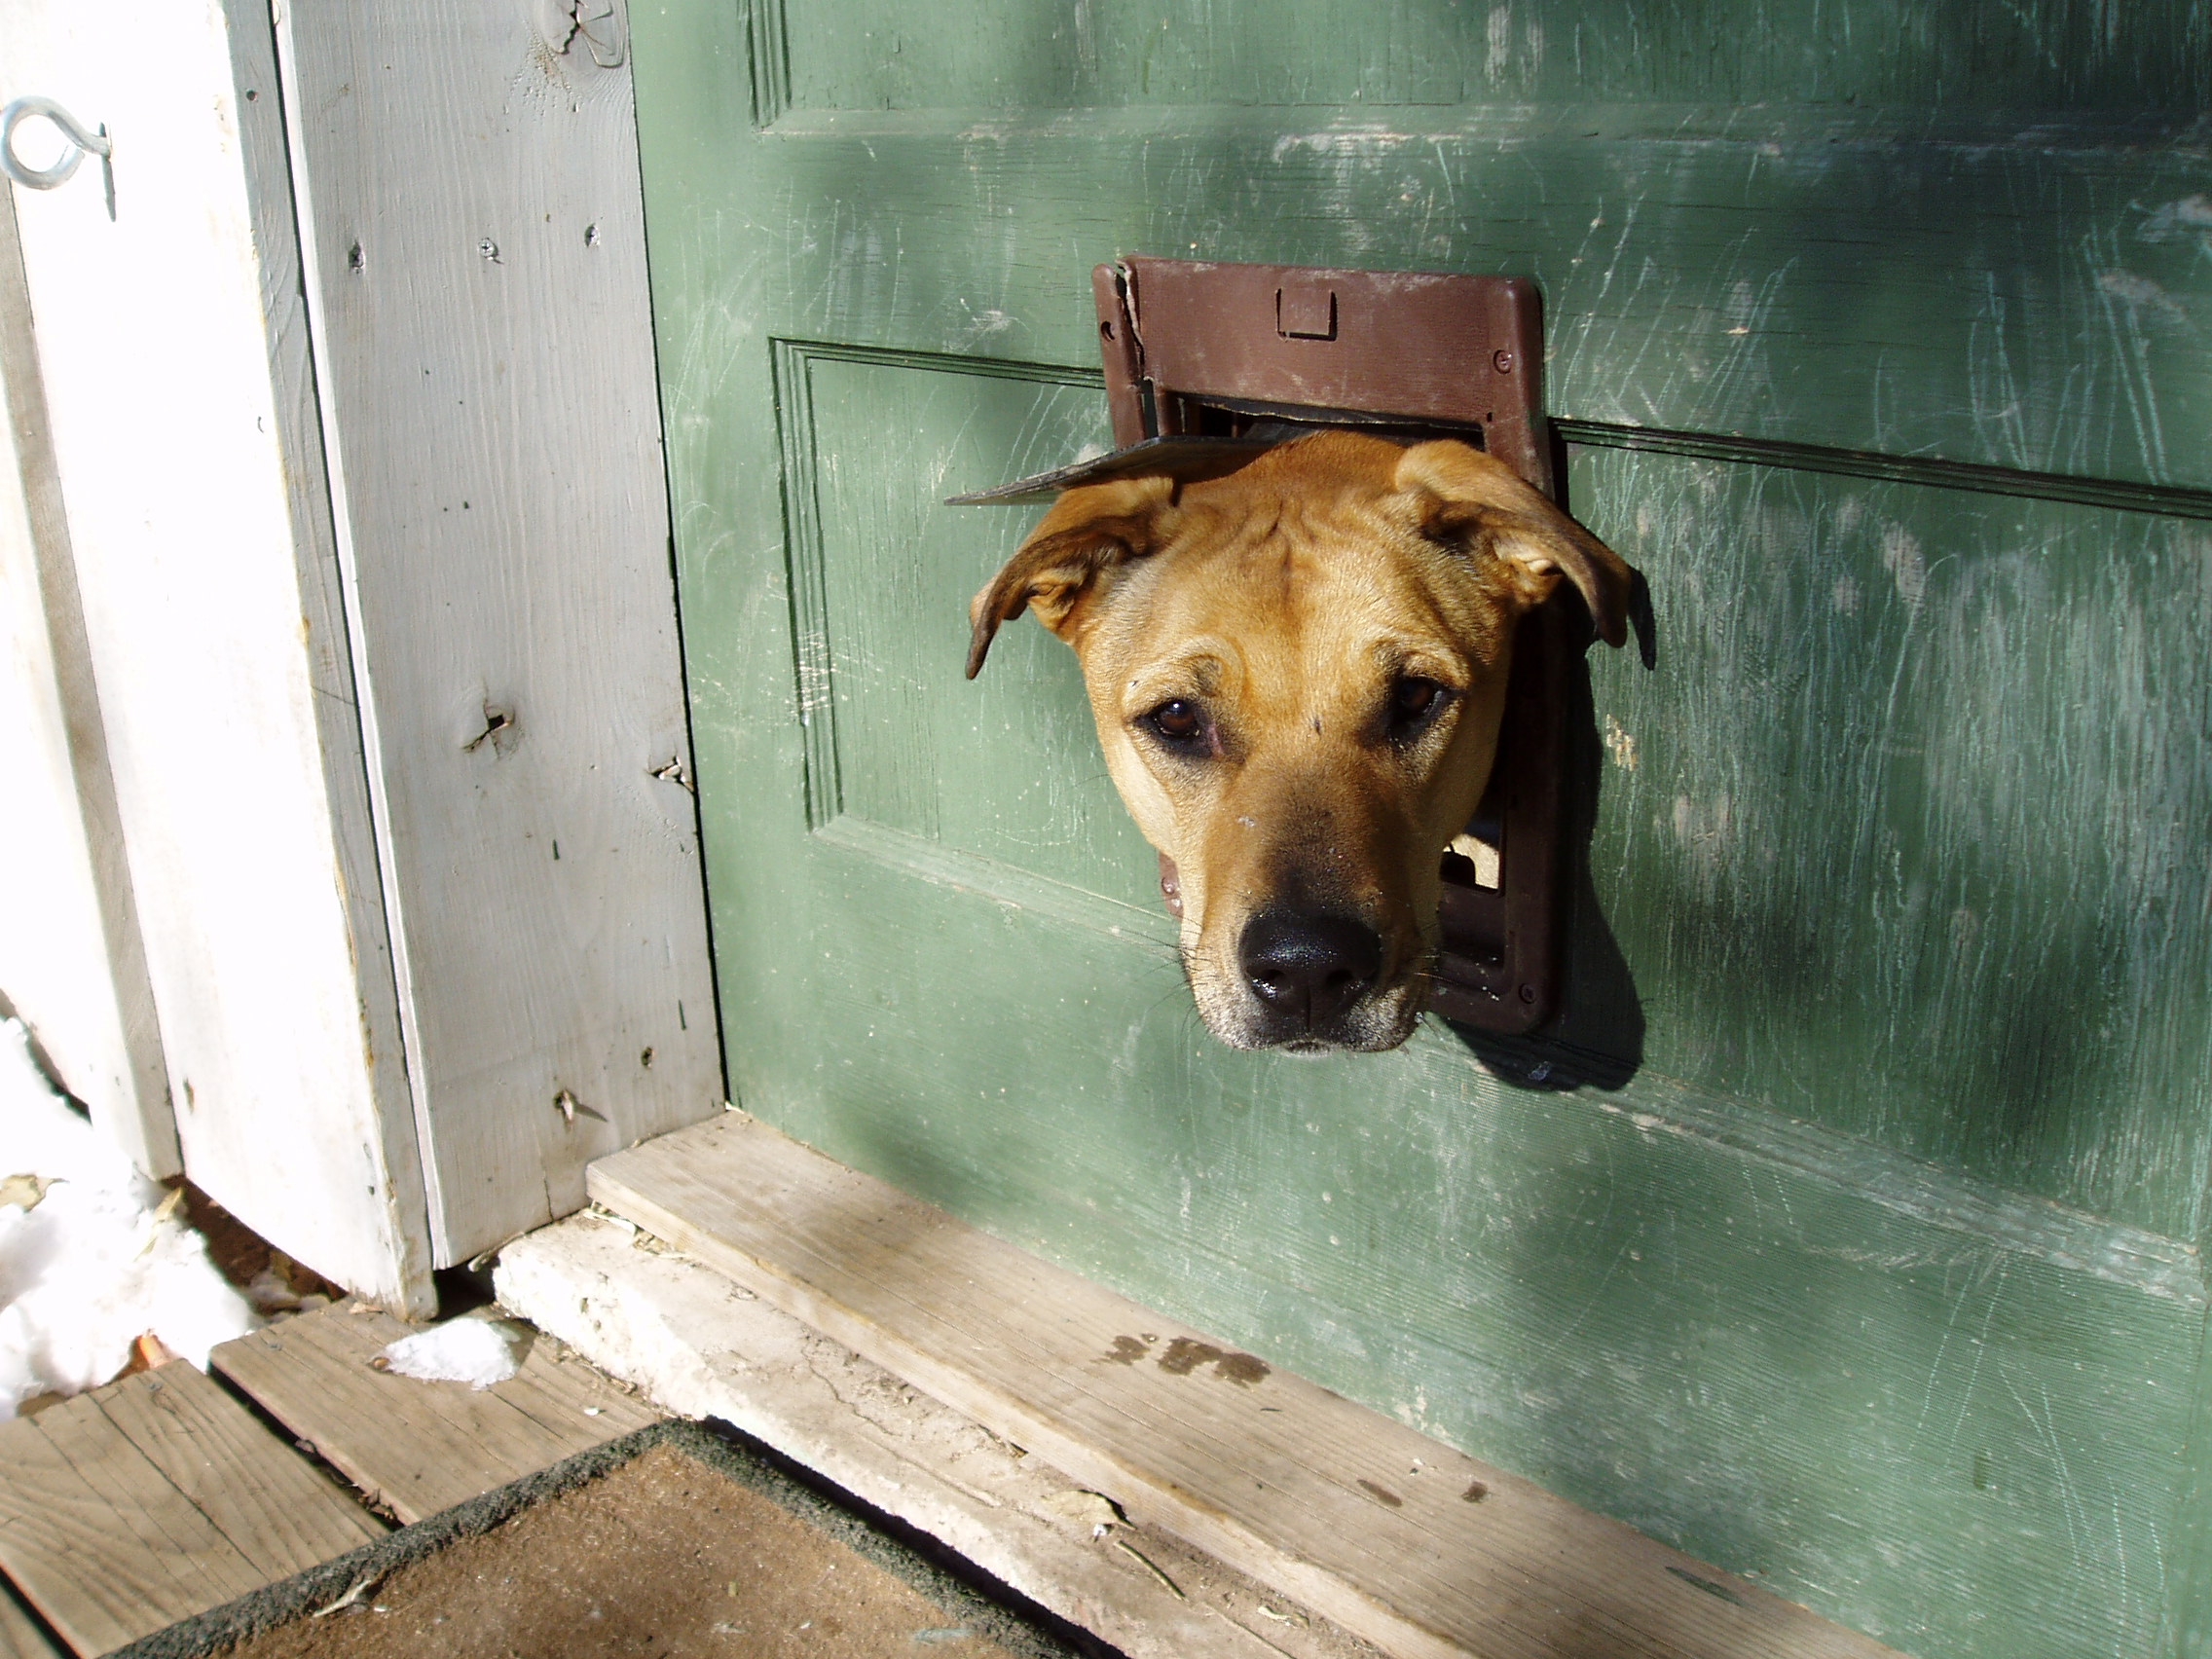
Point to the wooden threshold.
(703, 1347)
(19, 1634)
(1395, 1535)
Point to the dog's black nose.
(1309, 967)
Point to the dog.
(1297, 672)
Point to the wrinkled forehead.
(1299, 587)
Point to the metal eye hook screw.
(79, 142)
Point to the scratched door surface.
(1846, 1233)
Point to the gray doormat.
(764, 1610)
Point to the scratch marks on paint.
(2192, 213)
(2134, 306)
(2141, 291)
(1907, 566)
(1499, 30)
(983, 324)
(1500, 60)
(1351, 144)
(2045, 1429)
(1993, 389)
(1705, 829)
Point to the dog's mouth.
(1380, 1021)
(1308, 984)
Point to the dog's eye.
(1414, 703)
(1177, 722)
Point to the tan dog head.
(1297, 672)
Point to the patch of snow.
(475, 1352)
(93, 1255)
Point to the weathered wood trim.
(791, 364)
(669, 1325)
(474, 264)
(804, 580)
(1400, 1538)
(994, 878)
(2022, 200)
(330, 635)
(805, 558)
(2017, 1223)
(125, 1082)
(2187, 1630)
(211, 631)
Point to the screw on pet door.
(1209, 365)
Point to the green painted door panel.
(1950, 836)
(1773, 273)
(1011, 54)
(1908, 838)
(895, 741)
(1845, 1233)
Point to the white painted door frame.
(473, 228)
(354, 421)
(72, 958)
(173, 364)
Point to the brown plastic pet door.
(1213, 353)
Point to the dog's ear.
(1089, 532)
(1475, 500)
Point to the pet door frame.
(1205, 349)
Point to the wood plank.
(1399, 1538)
(21, 1637)
(98, 1541)
(475, 268)
(565, 1396)
(180, 520)
(281, 1513)
(562, 1396)
(420, 1448)
(72, 961)
(705, 1349)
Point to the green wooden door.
(1847, 1233)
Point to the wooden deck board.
(1395, 1535)
(420, 1448)
(268, 1501)
(559, 1393)
(19, 1634)
(507, 1442)
(97, 1540)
